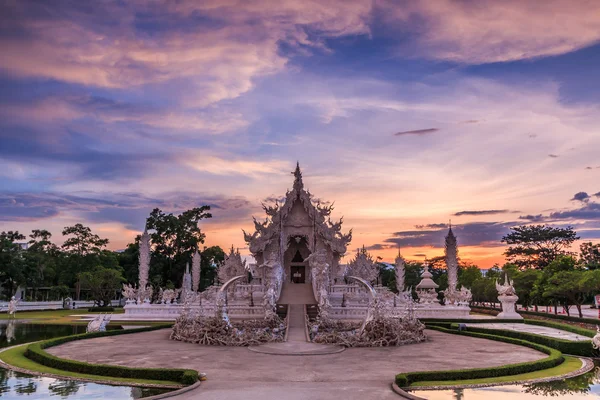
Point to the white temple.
(297, 249)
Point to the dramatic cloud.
(491, 31)
(481, 212)
(590, 211)
(533, 218)
(470, 234)
(581, 196)
(596, 194)
(417, 132)
(130, 209)
(379, 246)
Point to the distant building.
(484, 272)
(24, 246)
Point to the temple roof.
(328, 231)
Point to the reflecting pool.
(586, 387)
(14, 385)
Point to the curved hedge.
(580, 348)
(36, 352)
(554, 358)
(565, 327)
(542, 314)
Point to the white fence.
(50, 305)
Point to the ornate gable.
(298, 210)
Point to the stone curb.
(175, 392)
(404, 393)
(256, 349)
(71, 378)
(588, 365)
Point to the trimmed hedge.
(36, 352)
(583, 348)
(564, 327)
(548, 315)
(101, 309)
(554, 358)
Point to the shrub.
(583, 348)
(540, 314)
(36, 352)
(554, 358)
(101, 309)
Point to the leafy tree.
(40, 259)
(174, 239)
(210, 259)
(102, 283)
(574, 286)
(589, 255)
(83, 249)
(129, 261)
(536, 246)
(469, 275)
(524, 283)
(11, 261)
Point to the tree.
(84, 249)
(174, 240)
(40, 259)
(589, 255)
(573, 286)
(102, 283)
(11, 261)
(524, 283)
(535, 246)
(469, 275)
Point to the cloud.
(489, 31)
(552, 156)
(590, 211)
(379, 246)
(470, 121)
(469, 234)
(130, 209)
(481, 212)
(533, 218)
(581, 196)
(217, 48)
(417, 132)
(596, 194)
(419, 255)
(430, 226)
(224, 166)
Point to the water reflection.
(14, 385)
(586, 387)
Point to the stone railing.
(50, 305)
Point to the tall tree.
(11, 261)
(84, 249)
(40, 259)
(103, 283)
(589, 255)
(535, 246)
(174, 239)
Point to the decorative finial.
(298, 184)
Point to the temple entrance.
(298, 273)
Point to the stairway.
(296, 293)
(296, 327)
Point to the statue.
(506, 289)
(12, 307)
(363, 266)
(99, 323)
(130, 293)
(596, 339)
(196, 271)
(508, 297)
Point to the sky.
(406, 114)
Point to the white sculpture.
(129, 293)
(426, 289)
(144, 259)
(508, 297)
(12, 307)
(400, 272)
(451, 258)
(596, 339)
(232, 266)
(196, 271)
(99, 323)
(363, 266)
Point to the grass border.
(36, 352)
(554, 359)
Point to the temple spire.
(298, 184)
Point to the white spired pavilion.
(297, 249)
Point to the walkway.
(235, 372)
(538, 330)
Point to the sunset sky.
(407, 114)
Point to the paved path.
(297, 323)
(236, 372)
(539, 330)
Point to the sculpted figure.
(596, 339)
(12, 307)
(507, 289)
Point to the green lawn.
(16, 357)
(571, 364)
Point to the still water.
(584, 387)
(14, 385)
